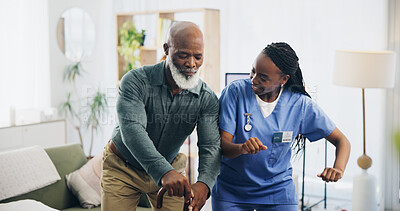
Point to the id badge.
(283, 137)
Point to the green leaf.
(66, 107)
(97, 107)
(73, 70)
(130, 40)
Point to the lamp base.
(364, 192)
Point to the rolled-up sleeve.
(132, 121)
(209, 142)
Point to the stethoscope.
(248, 126)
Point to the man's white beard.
(183, 81)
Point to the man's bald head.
(183, 32)
(184, 49)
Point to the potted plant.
(71, 108)
(130, 41)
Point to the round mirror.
(76, 34)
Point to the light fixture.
(364, 69)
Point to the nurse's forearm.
(342, 154)
(231, 150)
(342, 145)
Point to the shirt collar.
(158, 79)
(197, 88)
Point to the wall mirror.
(76, 34)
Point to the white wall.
(99, 68)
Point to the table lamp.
(364, 69)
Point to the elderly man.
(158, 108)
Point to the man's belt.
(116, 152)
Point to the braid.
(286, 60)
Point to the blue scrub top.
(265, 178)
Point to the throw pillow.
(84, 183)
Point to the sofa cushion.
(66, 158)
(85, 182)
(25, 170)
(26, 204)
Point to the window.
(24, 56)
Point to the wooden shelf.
(148, 56)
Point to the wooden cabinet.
(44, 134)
(156, 24)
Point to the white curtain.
(392, 164)
(24, 55)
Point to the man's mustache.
(188, 70)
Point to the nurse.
(260, 119)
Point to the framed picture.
(229, 77)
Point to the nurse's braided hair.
(286, 60)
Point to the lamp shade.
(365, 69)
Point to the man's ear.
(166, 48)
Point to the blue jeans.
(218, 205)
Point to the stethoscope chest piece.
(248, 127)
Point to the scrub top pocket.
(278, 152)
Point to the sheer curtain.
(24, 55)
(392, 164)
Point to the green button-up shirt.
(153, 124)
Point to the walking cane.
(160, 196)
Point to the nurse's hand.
(252, 146)
(331, 174)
